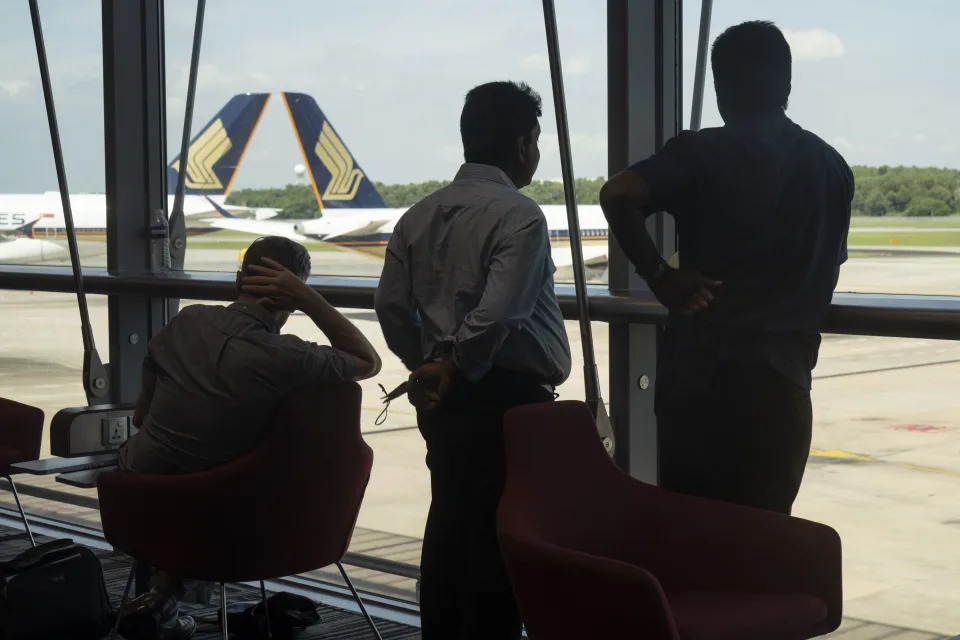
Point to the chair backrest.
(21, 428)
(561, 486)
(287, 507)
(560, 524)
(316, 466)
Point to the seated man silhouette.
(212, 380)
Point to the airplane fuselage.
(369, 230)
(89, 212)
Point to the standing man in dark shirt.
(212, 380)
(762, 210)
(466, 300)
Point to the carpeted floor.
(335, 623)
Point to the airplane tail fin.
(216, 151)
(28, 229)
(338, 181)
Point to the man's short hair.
(292, 255)
(494, 116)
(751, 68)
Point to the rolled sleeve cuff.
(472, 370)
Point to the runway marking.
(921, 428)
(884, 369)
(837, 454)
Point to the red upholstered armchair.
(288, 507)
(594, 553)
(21, 434)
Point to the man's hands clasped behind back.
(430, 384)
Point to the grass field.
(904, 238)
(938, 223)
(236, 241)
(858, 238)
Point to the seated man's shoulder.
(198, 313)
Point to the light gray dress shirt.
(468, 273)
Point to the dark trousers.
(743, 438)
(465, 592)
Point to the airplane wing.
(365, 229)
(258, 227)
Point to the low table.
(86, 479)
(48, 466)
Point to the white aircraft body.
(28, 222)
(355, 215)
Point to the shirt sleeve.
(324, 365)
(848, 203)
(396, 311)
(509, 297)
(148, 376)
(669, 174)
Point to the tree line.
(880, 191)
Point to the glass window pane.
(874, 80)
(41, 364)
(883, 472)
(381, 94)
(31, 216)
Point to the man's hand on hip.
(684, 291)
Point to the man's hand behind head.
(275, 286)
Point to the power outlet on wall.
(114, 430)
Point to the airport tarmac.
(884, 469)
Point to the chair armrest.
(604, 598)
(694, 543)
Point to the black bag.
(54, 591)
(289, 613)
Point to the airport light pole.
(590, 377)
(176, 232)
(700, 73)
(96, 382)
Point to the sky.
(875, 78)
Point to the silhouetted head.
(751, 70)
(292, 255)
(499, 127)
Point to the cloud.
(575, 65)
(13, 87)
(916, 138)
(814, 44)
(845, 145)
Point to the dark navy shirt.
(763, 206)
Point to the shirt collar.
(477, 171)
(257, 312)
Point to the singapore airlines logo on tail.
(344, 177)
(203, 155)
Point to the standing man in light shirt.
(466, 300)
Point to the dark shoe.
(153, 616)
(183, 629)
